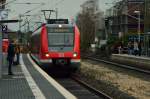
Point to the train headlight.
(74, 54)
(47, 55)
(59, 25)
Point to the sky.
(66, 8)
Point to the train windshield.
(60, 37)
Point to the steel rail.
(90, 88)
(74, 77)
(119, 65)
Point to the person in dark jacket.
(140, 48)
(10, 56)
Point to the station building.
(121, 19)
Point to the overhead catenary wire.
(29, 20)
(29, 3)
(7, 3)
(57, 3)
(35, 8)
(52, 10)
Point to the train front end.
(63, 47)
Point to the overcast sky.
(66, 8)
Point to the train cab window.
(63, 39)
(60, 37)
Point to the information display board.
(60, 30)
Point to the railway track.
(90, 88)
(77, 87)
(80, 89)
(117, 64)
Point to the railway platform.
(133, 56)
(29, 82)
(138, 61)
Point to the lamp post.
(139, 27)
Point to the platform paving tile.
(14, 86)
(48, 89)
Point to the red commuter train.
(56, 44)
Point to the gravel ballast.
(117, 82)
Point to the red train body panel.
(56, 44)
(5, 43)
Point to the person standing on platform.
(10, 56)
(120, 48)
(136, 49)
(130, 48)
(140, 48)
(17, 52)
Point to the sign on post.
(4, 28)
(3, 16)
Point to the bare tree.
(86, 24)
